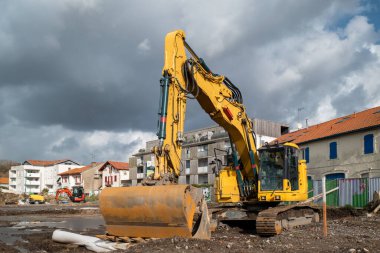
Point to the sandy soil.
(349, 231)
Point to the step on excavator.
(251, 186)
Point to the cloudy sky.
(79, 79)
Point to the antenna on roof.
(306, 123)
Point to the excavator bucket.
(155, 211)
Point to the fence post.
(324, 206)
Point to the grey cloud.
(350, 102)
(67, 144)
(82, 67)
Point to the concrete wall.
(92, 180)
(351, 159)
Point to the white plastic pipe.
(91, 243)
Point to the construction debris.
(374, 205)
(8, 198)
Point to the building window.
(365, 175)
(307, 154)
(115, 179)
(335, 176)
(227, 145)
(203, 179)
(202, 150)
(187, 164)
(203, 162)
(368, 144)
(333, 150)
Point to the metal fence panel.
(373, 185)
(310, 188)
(317, 189)
(353, 192)
(332, 199)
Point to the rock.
(365, 250)
(352, 250)
(186, 247)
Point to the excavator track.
(274, 220)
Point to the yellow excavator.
(251, 187)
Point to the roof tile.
(79, 170)
(44, 163)
(117, 165)
(349, 123)
(4, 180)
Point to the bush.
(45, 191)
(92, 198)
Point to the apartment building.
(345, 147)
(32, 176)
(201, 148)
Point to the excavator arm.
(217, 96)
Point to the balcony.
(12, 183)
(203, 170)
(32, 175)
(140, 175)
(202, 153)
(187, 171)
(32, 182)
(12, 174)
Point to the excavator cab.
(282, 175)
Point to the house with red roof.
(345, 147)
(88, 177)
(32, 176)
(115, 174)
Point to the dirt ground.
(349, 231)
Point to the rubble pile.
(8, 198)
(374, 205)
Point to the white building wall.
(68, 181)
(33, 179)
(108, 177)
(350, 160)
